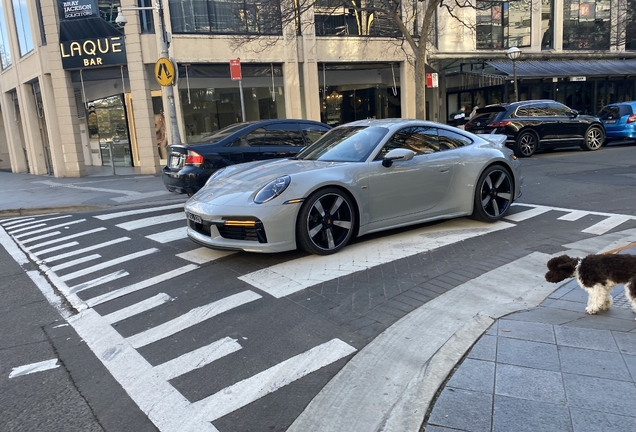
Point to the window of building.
(108, 10)
(547, 27)
(338, 18)
(146, 17)
(23, 26)
(503, 24)
(38, 7)
(5, 50)
(586, 24)
(226, 17)
(630, 25)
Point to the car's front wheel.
(526, 144)
(594, 138)
(326, 222)
(493, 194)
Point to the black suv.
(538, 125)
(190, 165)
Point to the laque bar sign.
(87, 53)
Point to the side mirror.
(574, 113)
(397, 155)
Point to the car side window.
(254, 138)
(421, 140)
(449, 140)
(284, 134)
(533, 110)
(313, 132)
(558, 110)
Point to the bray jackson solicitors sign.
(92, 52)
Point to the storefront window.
(226, 17)
(586, 25)
(5, 51)
(504, 24)
(23, 26)
(337, 18)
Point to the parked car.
(359, 178)
(619, 120)
(190, 165)
(538, 125)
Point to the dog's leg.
(608, 300)
(596, 299)
(630, 292)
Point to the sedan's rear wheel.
(526, 144)
(493, 195)
(594, 138)
(326, 222)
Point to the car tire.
(493, 194)
(326, 222)
(526, 144)
(594, 139)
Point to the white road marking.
(170, 236)
(86, 249)
(18, 230)
(49, 228)
(55, 248)
(75, 262)
(136, 212)
(197, 359)
(10, 222)
(140, 195)
(137, 308)
(107, 264)
(156, 220)
(31, 224)
(43, 236)
(574, 215)
(292, 276)
(191, 318)
(247, 391)
(139, 286)
(527, 214)
(160, 401)
(33, 368)
(69, 237)
(203, 255)
(606, 225)
(98, 281)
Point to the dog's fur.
(597, 274)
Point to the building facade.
(78, 90)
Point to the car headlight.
(215, 175)
(272, 190)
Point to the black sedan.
(538, 125)
(190, 165)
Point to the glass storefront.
(107, 122)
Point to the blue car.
(620, 120)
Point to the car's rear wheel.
(326, 222)
(594, 138)
(526, 144)
(494, 194)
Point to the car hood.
(238, 183)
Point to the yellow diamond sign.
(164, 72)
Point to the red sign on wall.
(235, 69)
(432, 80)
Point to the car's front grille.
(247, 233)
(201, 228)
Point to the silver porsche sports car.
(359, 178)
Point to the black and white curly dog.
(597, 274)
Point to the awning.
(565, 68)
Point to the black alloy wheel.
(325, 222)
(526, 144)
(493, 194)
(594, 138)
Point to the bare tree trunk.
(420, 88)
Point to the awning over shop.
(566, 68)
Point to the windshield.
(217, 136)
(345, 144)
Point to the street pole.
(513, 54)
(168, 90)
(514, 77)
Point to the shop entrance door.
(112, 125)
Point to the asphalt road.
(243, 341)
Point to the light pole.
(513, 54)
(168, 91)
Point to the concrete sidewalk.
(27, 194)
